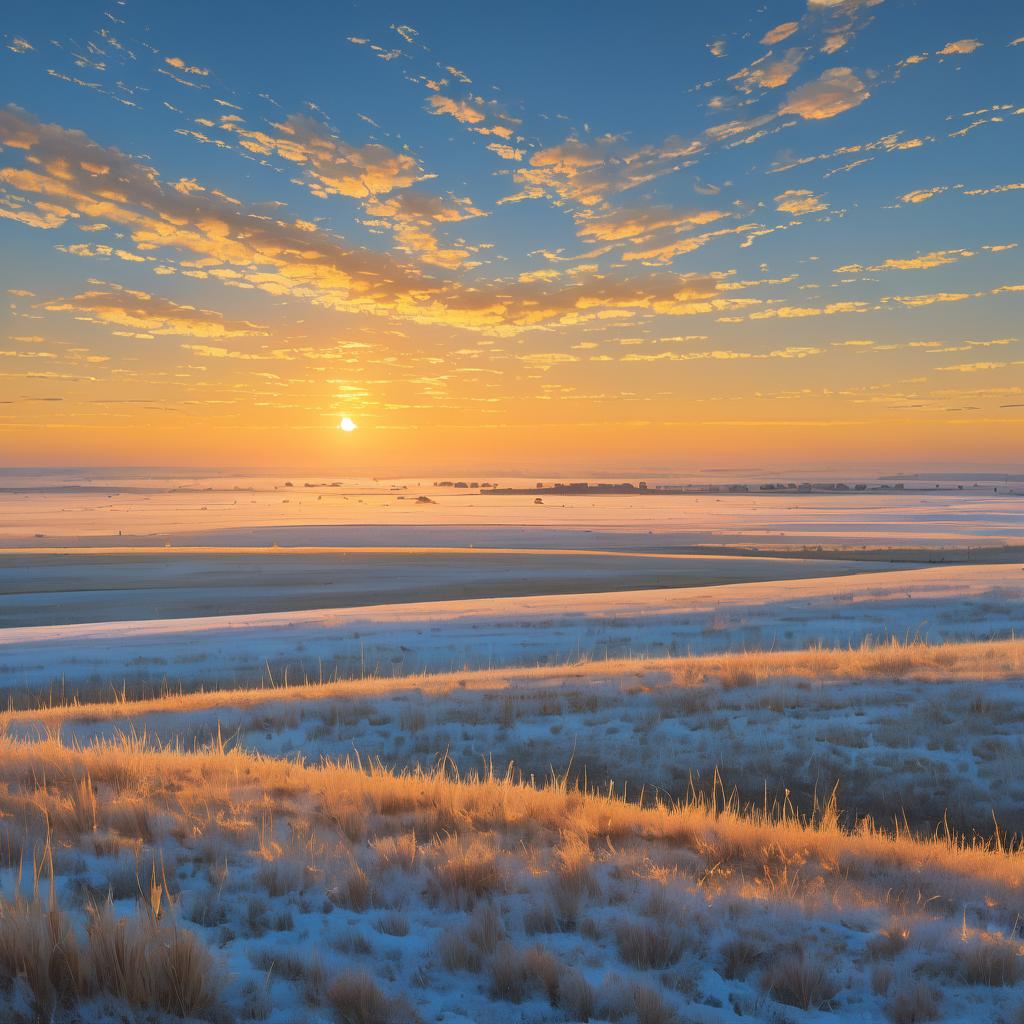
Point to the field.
(554, 844)
(378, 776)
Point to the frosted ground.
(218, 509)
(937, 603)
(524, 808)
(212, 881)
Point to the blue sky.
(787, 224)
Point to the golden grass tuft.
(913, 1003)
(355, 998)
(991, 961)
(797, 980)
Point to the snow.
(938, 603)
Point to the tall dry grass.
(883, 658)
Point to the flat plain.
(627, 772)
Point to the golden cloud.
(798, 201)
(834, 92)
(462, 111)
(219, 238)
(332, 166)
(586, 173)
(769, 74)
(414, 217)
(152, 314)
(780, 33)
(959, 46)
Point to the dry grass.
(913, 1003)
(992, 961)
(799, 980)
(648, 946)
(889, 658)
(355, 998)
(462, 868)
(147, 962)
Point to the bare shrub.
(575, 996)
(798, 981)
(355, 998)
(914, 1003)
(516, 974)
(151, 963)
(396, 851)
(353, 890)
(992, 962)
(739, 957)
(38, 945)
(647, 947)
(619, 999)
(463, 873)
(889, 942)
(392, 924)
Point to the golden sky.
(773, 234)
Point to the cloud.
(180, 65)
(19, 45)
(798, 201)
(461, 110)
(632, 223)
(217, 238)
(504, 151)
(920, 195)
(970, 367)
(586, 173)
(769, 74)
(1010, 187)
(780, 33)
(834, 92)
(723, 355)
(332, 166)
(151, 314)
(923, 261)
(959, 46)
(914, 301)
(797, 312)
(665, 252)
(414, 217)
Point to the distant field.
(940, 603)
(40, 587)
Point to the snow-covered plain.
(679, 839)
(939, 603)
(59, 587)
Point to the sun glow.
(347, 425)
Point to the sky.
(512, 237)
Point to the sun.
(347, 425)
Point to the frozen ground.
(679, 839)
(43, 587)
(940, 603)
(247, 510)
(214, 883)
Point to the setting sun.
(347, 425)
